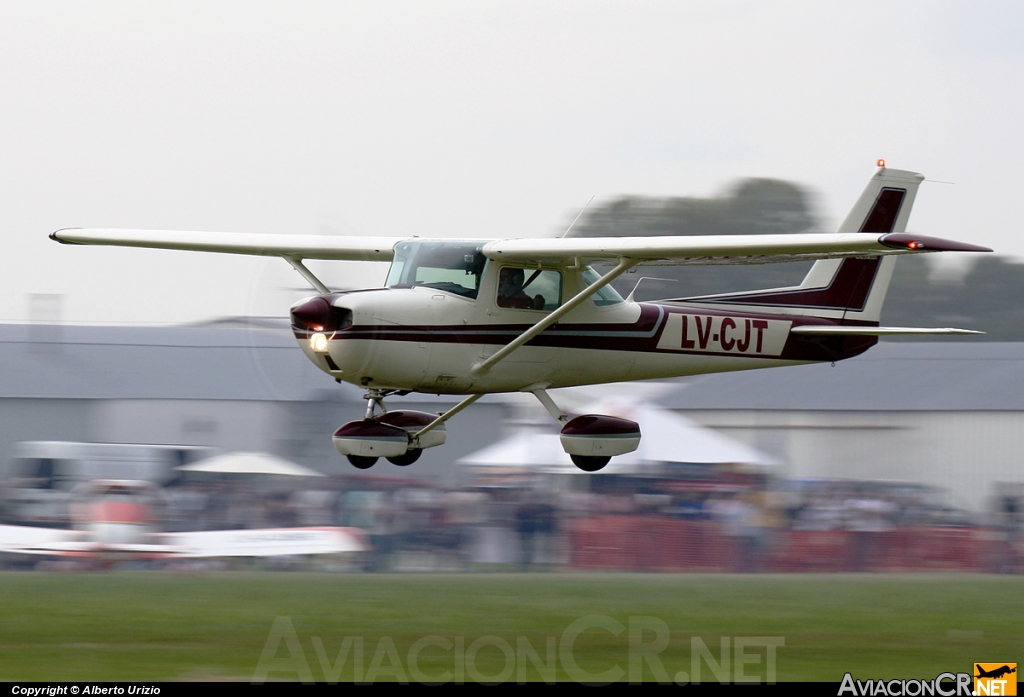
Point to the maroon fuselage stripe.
(642, 336)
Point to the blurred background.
(906, 458)
(502, 120)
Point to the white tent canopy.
(666, 437)
(250, 463)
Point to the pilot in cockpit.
(511, 294)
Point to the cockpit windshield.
(454, 267)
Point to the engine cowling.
(318, 314)
(596, 435)
(413, 421)
(371, 438)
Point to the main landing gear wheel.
(588, 463)
(410, 457)
(360, 462)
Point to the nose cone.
(313, 314)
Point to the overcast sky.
(469, 119)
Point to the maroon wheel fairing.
(594, 437)
(370, 429)
(600, 425)
(370, 439)
(408, 419)
(415, 421)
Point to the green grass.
(147, 626)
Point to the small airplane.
(472, 317)
(995, 673)
(114, 520)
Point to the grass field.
(147, 626)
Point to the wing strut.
(545, 399)
(483, 366)
(447, 415)
(307, 274)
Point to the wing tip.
(903, 240)
(55, 235)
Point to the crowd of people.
(750, 523)
(754, 524)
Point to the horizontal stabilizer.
(876, 331)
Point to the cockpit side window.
(451, 267)
(529, 289)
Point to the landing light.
(318, 342)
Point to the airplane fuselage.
(423, 339)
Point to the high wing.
(697, 249)
(720, 249)
(259, 244)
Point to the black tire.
(589, 463)
(360, 462)
(411, 456)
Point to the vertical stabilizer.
(883, 207)
(850, 289)
(885, 204)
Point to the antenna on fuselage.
(584, 210)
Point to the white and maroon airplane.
(471, 317)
